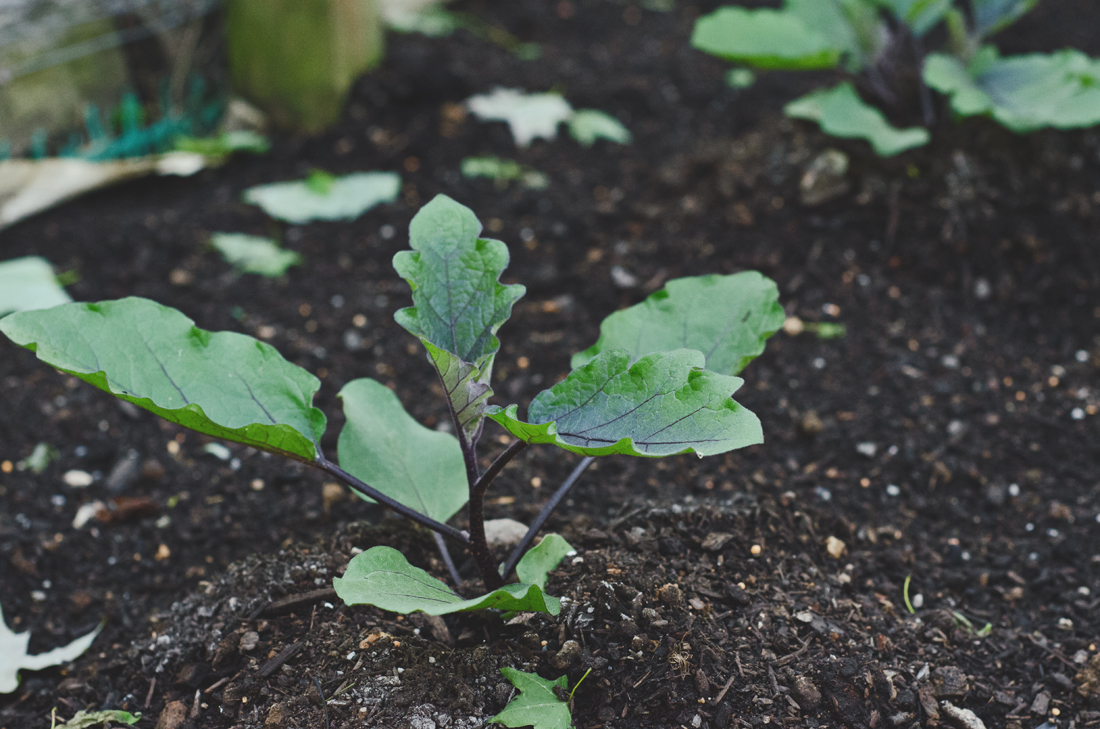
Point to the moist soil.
(946, 443)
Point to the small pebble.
(1081, 356)
(892, 490)
(835, 547)
(867, 449)
(918, 601)
(1077, 414)
(78, 479)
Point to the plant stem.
(446, 554)
(355, 484)
(548, 509)
(479, 546)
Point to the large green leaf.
(920, 15)
(29, 283)
(382, 577)
(382, 445)
(1024, 93)
(765, 39)
(535, 566)
(459, 303)
(345, 198)
(841, 113)
(838, 21)
(727, 318)
(537, 705)
(223, 384)
(991, 16)
(663, 404)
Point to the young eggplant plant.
(658, 382)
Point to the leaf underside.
(764, 39)
(661, 405)
(346, 199)
(1024, 93)
(727, 318)
(382, 577)
(223, 384)
(459, 303)
(384, 446)
(537, 705)
(14, 657)
(841, 113)
(529, 116)
(27, 284)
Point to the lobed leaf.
(382, 445)
(223, 384)
(254, 254)
(1023, 93)
(661, 405)
(14, 656)
(765, 39)
(27, 284)
(382, 577)
(841, 113)
(459, 303)
(529, 116)
(535, 566)
(345, 199)
(537, 705)
(727, 318)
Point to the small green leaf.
(382, 577)
(537, 705)
(919, 15)
(535, 566)
(27, 284)
(84, 719)
(14, 657)
(433, 21)
(382, 445)
(991, 16)
(588, 125)
(841, 113)
(224, 144)
(223, 384)
(1023, 93)
(663, 404)
(342, 198)
(503, 170)
(764, 39)
(254, 254)
(459, 303)
(529, 116)
(740, 78)
(727, 318)
(39, 459)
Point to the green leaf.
(841, 113)
(503, 170)
(459, 302)
(740, 78)
(346, 198)
(224, 144)
(254, 254)
(223, 384)
(991, 16)
(537, 705)
(529, 116)
(27, 284)
(1025, 92)
(535, 566)
(382, 445)
(84, 719)
(663, 404)
(765, 39)
(833, 20)
(588, 125)
(920, 15)
(727, 318)
(382, 577)
(433, 21)
(14, 657)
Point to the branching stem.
(479, 546)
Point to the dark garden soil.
(949, 438)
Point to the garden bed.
(939, 439)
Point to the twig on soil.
(643, 678)
(1053, 652)
(779, 662)
(277, 662)
(321, 693)
(149, 693)
(722, 694)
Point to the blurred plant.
(880, 44)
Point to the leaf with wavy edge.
(223, 384)
(727, 318)
(384, 446)
(662, 405)
(27, 284)
(537, 705)
(459, 303)
(382, 577)
(842, 113)
(765, 39)
(14, 656)
(534, 568)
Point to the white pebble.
(1077, 414)
(1014, 490)
(819, 363)
(86, 512)
(892, 490)
(867, 449)
(83, 479)
(918, 601)
(1081, 356)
